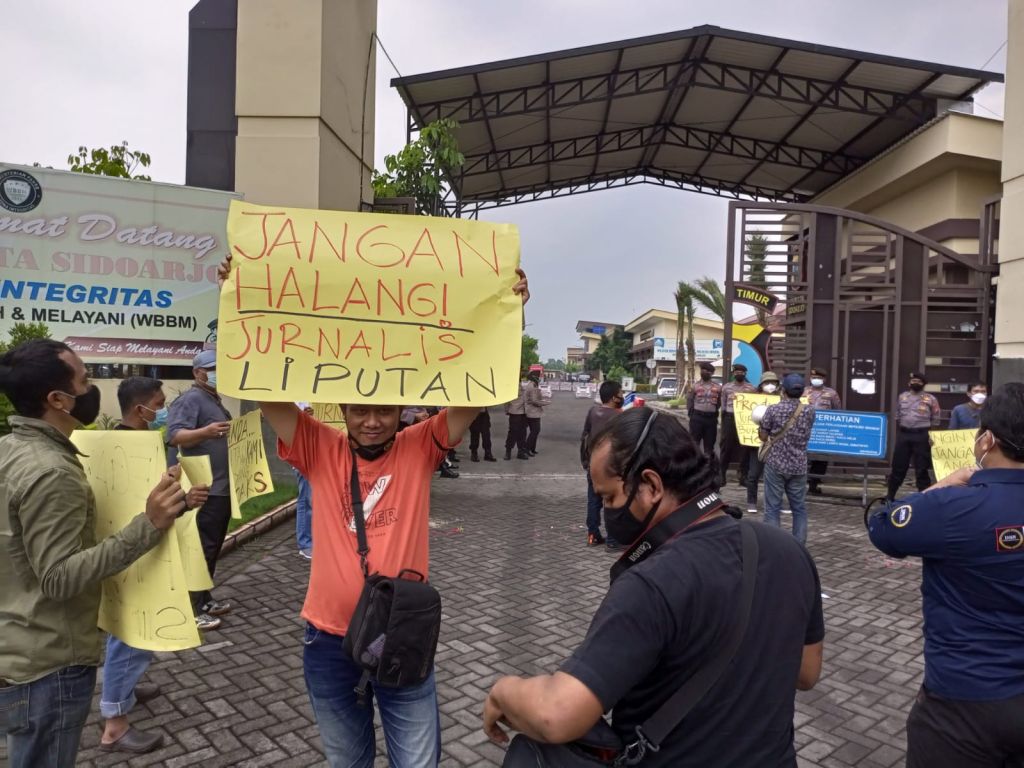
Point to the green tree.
(554, 365)
(617, 373)
(572, 368)
(419, 169)
(117, 161)
(529, 355)
(611, 351)
(18, 333)
(709, 294)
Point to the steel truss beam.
(669, 135)
(579, 185)
(835, 95)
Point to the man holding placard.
(373, 468)
(143, 407)
(198, 425)
(51, 565)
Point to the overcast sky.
(97, 72)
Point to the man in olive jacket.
(51, 565)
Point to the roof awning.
(705, 109)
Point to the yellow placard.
(341, 307)
(146, 605)
(195, 470)
(952, 449)
(197, 575)
(247, 461)
(330, 414)
(743, 405)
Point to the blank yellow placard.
(197, 575)
(952, 449)
(247, 461)
(196, 470)
(342, 307)
(146, 605)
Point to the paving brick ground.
(519, 588)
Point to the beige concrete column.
(305, 102)
(1009, 324)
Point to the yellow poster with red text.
(341, 307)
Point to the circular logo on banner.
(900, 516)
(1011, 538)
(19, 191)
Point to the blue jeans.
(304, 513)
(795, 487)
(122, 670)
(593, 508)
(43, 720)
(412, 723)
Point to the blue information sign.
(849, 433)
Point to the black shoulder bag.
(602, 745)
(393, 632)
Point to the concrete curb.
(258, 526)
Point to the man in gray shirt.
(197, 425)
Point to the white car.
(545, 391)
(582, 390)
(667, 388)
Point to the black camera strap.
(658, 726)
(363, 547)
(690, 513)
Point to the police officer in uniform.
(702, 406)
(969, 531)
(820, 398)
(729, 448)
(917, 411)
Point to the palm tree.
(709, 294)
(684, 334)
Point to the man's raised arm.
(283, 419)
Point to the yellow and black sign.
(757, 297)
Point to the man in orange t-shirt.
(395, 470)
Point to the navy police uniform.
(970, 710)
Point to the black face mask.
(740, 377)
(621, 524)
(705, 375)
(87, 406)
(372, 452)
(917, 387)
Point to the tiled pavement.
(519, 588)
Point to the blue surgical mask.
(211, 379)
(159, 418)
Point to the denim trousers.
(795, 488)
(304, 513)
(123, 667)
(43, 720)
(593, 508)
(412, 723)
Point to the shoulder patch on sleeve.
(1009, 539)
(900, 516)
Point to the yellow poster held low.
(952, 449)
(743, 406)
(146, 605)
(247, 462)
(341, 307)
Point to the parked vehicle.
(667, 387)
(545, 391)
(582, 390)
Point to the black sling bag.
(394, 629)
(602, 745)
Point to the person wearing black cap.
(197, 425)
(702, 406)
(729, 446)
(917, 411)
(821, 398)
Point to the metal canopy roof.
(705, 109)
